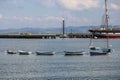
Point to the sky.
(50, 13)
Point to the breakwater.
(29, 36)
(79, 35)
(45, 36)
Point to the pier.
(79, 35)
(45, 36)
(29, 36)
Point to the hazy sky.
(49, 13)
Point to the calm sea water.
(57, 67)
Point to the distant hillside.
(73, 29)
(30, 30)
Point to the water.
(57, 67)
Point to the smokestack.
(63, 26)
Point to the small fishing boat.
(11, 52)
(94, 51)
(45, 53)
(24, 52)
(77, 53)
(99, 51)
(105, 49)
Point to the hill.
(73, 29)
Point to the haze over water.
(57, 67)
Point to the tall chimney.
(63, 26)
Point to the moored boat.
(77, 53)
(45, 53)
(11, 52)
(110, 33)
(94, 51)
(105, 31)
(24, 52)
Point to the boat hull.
(24, 53)
(98, 53)
(45, 53)
(97, 33)
(73, 53)
(107, 36)
(11, 52)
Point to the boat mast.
(106, 15)
(106, 21)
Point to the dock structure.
(45, 36)
(29, 36)
(79, 35)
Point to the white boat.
(45, 53)
(76, 53)
(11, 52)
(95, 50)
(101, 50)
(24, 52)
